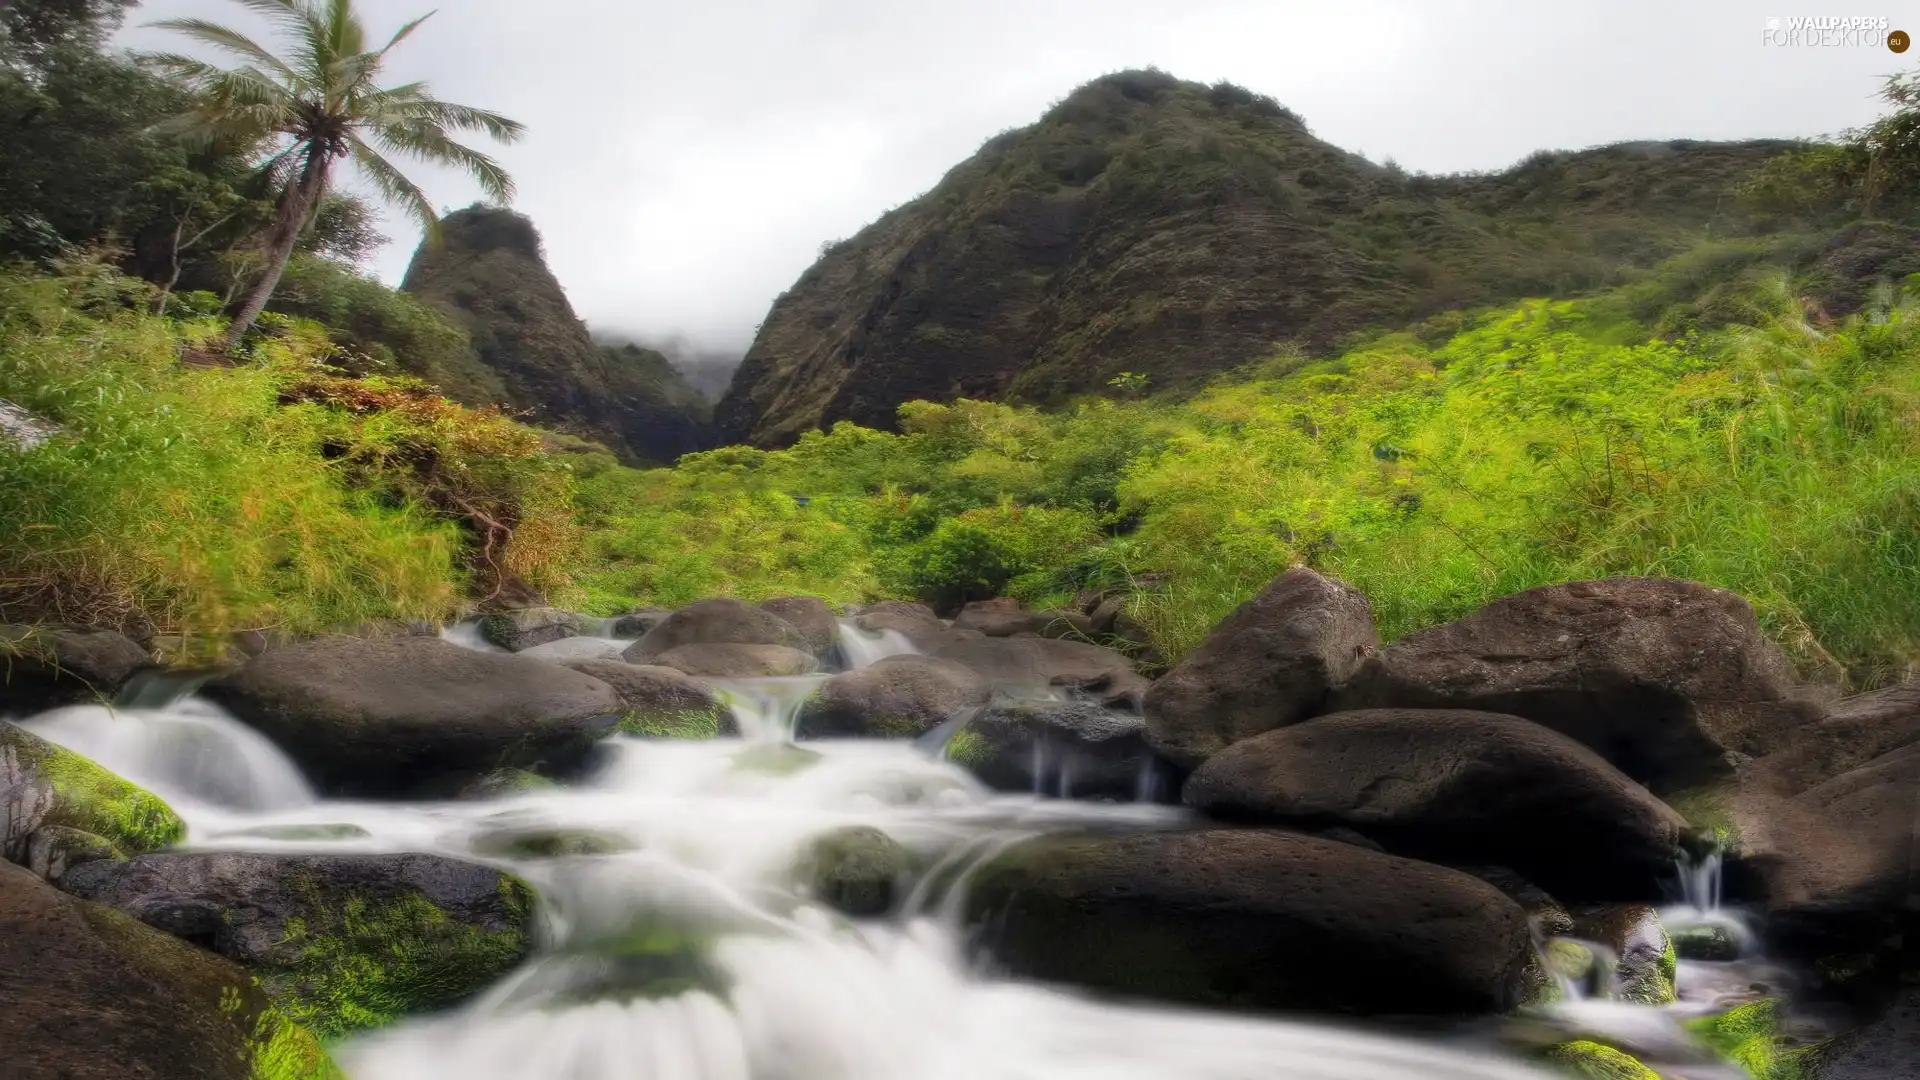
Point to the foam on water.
(707, 834)
(862, 648)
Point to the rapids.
(784, 989)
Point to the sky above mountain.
(687, 161)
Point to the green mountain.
(1171, 229)
(489, 273)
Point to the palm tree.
(319, 106)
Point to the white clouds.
(687, 160)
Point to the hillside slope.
(1163, 227)
(489, 273)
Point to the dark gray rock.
(718, 661)
(1080, 749)
(1454, 786)
(1252, 919)
(635, 624)
(915, 622)
(527, 627)
(819, 627)
(393, 716)
(42, 667)
(1271, 663)
(1662, 678)
(719, 621)
(898, 697)
(661, 701)
(1644, 960)
(858, 870)
(1086, 671)
(572, 650)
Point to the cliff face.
(1172, 229)
(488, 272)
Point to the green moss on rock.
(1750, 1037)
(650, 724)
(968, 749)
(75, 793)
(854, 870)
(1597, 1061)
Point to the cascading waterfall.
(862, 648)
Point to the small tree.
(320, 106)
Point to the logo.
(1898, 41)
(1830, 31)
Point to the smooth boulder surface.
(398, 715)
(1849, 733)
(662, 702)
(1271, 663)
(524, 628)
(1662, 677)
(1454, 786)
(635, 624)
(351, 941)
(48, 792)
(1087, 671)
(719, 621)
(572, 650)
(90, 994)
(915, 622)
(819, 627)
(1078, 748)
(42, 667)
(900, 696)
(717, 661)
(1005, 617)
(1252, 919)
(857, 870)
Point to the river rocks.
(719, 621)
(635, 624)
(1004, 617)
(1454, 786)
(52, 850)
(1271, 663)
(717, 661)
(527, 627)
(856, 870)
(1661, 677)
(45, 787)
(818, 626)
(91, 994)
(1252, 919)
(1850, 733)
(1079, 749)
(915, 622)
(662, 702)
(1085, 670)
(573, 650)
(348, 941)
(1644, 960)
(42, 667)
(900, 696)
(389, 717)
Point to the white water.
(864, 647)
(709, 831)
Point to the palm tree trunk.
(302, 196)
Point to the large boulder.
(42, 667)
(526, 627)
(1084, 670)
(717, 661)
(48, 792)
(1068, 748)
(1850, 733)
(897, 696)
(346, 941)
(1271, 663)
(400, 715)
(636, 623)
(1454, 786)
(1005, 617)
(1663, 678)
(572, 650)
(857, 870)
(915, 622)
(90, 994)
(1252, 919)
(819, 627)
(662, 702)
(719, 621)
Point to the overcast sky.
(686, 160)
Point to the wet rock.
(46, 787)
(1079, 749)
(898, 697)
(1849, 733)
(662, 703)
(43, 667)
(916, 622)
(1704, 941)
(1597, 1061)
(395, 716)
(1662, 678)
(502, 783)
(635, 624)
(1252, 919)
(1569, 960)
(715, 661)
(774, 759)
(719, 621)
(857, 870)
(574, 650)
(1001, 617)
(1644, 959)
(538, 843)
(526, 627)
(1086, 671)
(54, 849)
(1886, 1047)
(94, 995)
(819, 627)
(347, 941)
(1454, 786)
(1271, 663)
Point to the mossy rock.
(696, 724)
(969, 750)
(501, 783)
(1750, 1037)
(1597, 1061)
(550, 843)
(1704, 942)
(855, 870)
(775, 759)
(1569, 960)
(44, 785)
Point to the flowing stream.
(698, 841)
